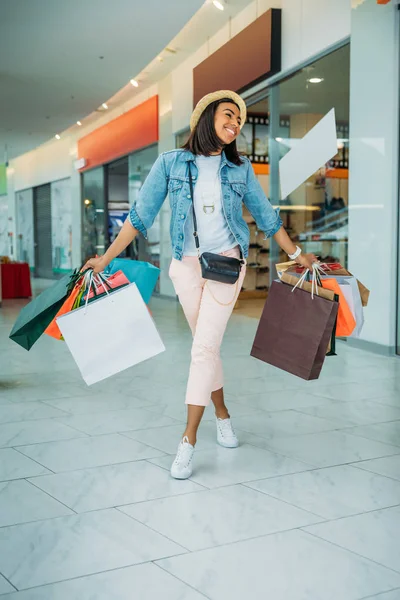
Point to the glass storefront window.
(316, 214)
(94, 217)
(108, 192)
(140, 164)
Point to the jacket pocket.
(174, 191)
(237, 192)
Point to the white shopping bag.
(111, 334)
(356, 304)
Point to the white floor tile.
(393, 595)
(227, 466)
(389, 466)
(282, 400)
(369, 390)
(21, 502)
(34, 393)
(230, 514)
(374, 535)
(333, 492)
(48, 551)
(167, 439)
(142, 582)
(330, 448)
(388, 433)
(26, 411)
(354, 413)
(291, 565)
(286, 422)
(14, 465)
(106, 487)
(96, 403)
(34, 432)
(5, 587)
(89, 452)
(112, 445)
(116, 421)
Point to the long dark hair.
(204, 140)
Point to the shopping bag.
(111, 334)
(38, 314)
(144, 274)
(333, 270)
(328, 294)
(100, 285)
(330, 270)
(356, 301)
(346, 322)
(285, 266)
(53, 330)
(294, 330)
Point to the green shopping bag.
(35, 317)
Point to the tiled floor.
(307, 508)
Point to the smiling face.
(227, 122)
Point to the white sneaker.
(182, 465)
(226, 436)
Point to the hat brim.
(213, 97)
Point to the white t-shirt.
(212, 227)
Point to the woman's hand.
(98, 264)
(306, 260)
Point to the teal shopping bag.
(144, 274)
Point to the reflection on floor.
(251, 307)
(308, 507)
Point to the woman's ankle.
(191, 437)
(222, 413)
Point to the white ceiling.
(51, 73)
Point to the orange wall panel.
(131, 131)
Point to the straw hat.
(209, 98)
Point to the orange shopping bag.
(345, 319)
(53, 329)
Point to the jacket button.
(182, 216)
(188, 196)
(193, 177)
(181, 237)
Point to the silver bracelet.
(296, 254)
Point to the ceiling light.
(218, 4)
(87, 201)
(315, 80)
(58, 137)
(79, 123)
(104, 105)
(160, 58)
(134, 83)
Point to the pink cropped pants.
(207, 306)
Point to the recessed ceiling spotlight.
(315, 80)
(134, 83)
(104, 105)
(79, 123)
(218, 4)
(58, 137)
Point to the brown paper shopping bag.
(294, 330)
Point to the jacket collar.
(224, 161)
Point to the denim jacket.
(170, 176)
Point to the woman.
(222, 181)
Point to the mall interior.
(308, 506)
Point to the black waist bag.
(225, 269)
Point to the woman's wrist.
(295, 255)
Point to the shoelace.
(183, 452)
(226, 428)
